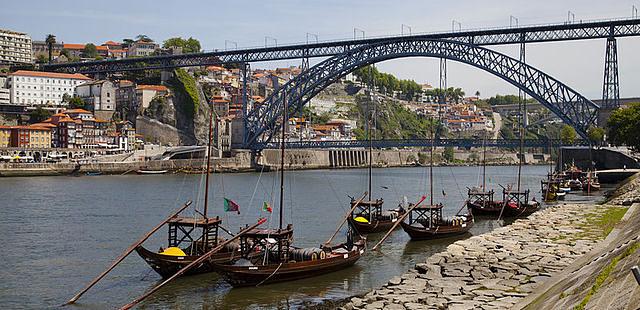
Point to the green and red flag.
(231, 206)
(267, 207)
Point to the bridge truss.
(569, 105)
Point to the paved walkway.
(495, 270)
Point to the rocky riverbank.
(498, 269)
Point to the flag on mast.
(231, 206)
(267, 207)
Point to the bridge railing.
(403, 143)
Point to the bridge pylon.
(611, 85)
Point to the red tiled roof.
(76, 76)
(82, 111)
(152, 87)
(111, 43)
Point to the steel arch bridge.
(572, 107)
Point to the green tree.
(624, 126)
(90, 51)
(143, 38)
(75, 103)
(189, 45)
(596, 134)
(65, 52)
(50, 40)
(449, 154)
(38, 115)
(126, 43)
(478, 94)
(41, 59)
(568, 134)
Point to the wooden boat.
(591, 183)
(143, 171)
(93, 173)
(368, 216)
(517, 204)
(427, 222)
(282, 262)
(279, 260)
(190, 237)
(574, 184)
(482, 203)
(182, 250)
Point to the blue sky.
(579, 64)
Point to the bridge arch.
(573, 108)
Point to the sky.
(579, 64)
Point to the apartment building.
(42, 88)
(15, 47)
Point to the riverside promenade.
(499, 269)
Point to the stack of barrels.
(306, 254)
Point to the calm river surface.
(57, 233)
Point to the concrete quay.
(499, 269)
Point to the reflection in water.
(70, 228)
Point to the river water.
(57, 233)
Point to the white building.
(15, 47)
(146, 93)
(5, 98)
(42, 88)
(141, 49)
(99, 95)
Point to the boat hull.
(373, 227)
(166, 265)
(239, 276)
(520, 211)
(491, 209)
(437, 232)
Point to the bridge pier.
(611, 84)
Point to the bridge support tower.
(611, 85)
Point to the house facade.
(35, 88)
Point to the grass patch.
(599, 225)
(604, 274)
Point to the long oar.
(196, 262)
(355, 205)
(127, 252)
(400, 219)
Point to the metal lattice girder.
(547, 33)
(611, 87)
(573, 108)
(464, 143)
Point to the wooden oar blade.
(193, 264)
(400, 219)
(126, 253)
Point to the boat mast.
(521, 129)
(431, 167)
(282, 141)
(206, 182)
(484, 163)
(370, 152)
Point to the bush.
(449, 154)
(187, 84)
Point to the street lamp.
(402, 27)
(571, 18)
(229, 42)
(356, 31)
(513, 21)
(267, 38)
(312, 35)
(453, 25)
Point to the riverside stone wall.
(495, 270)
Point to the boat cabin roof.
(269, 233)
(199, 222)
(429, 207)
(377, 202)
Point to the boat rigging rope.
(255, 189)
(271, 275)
